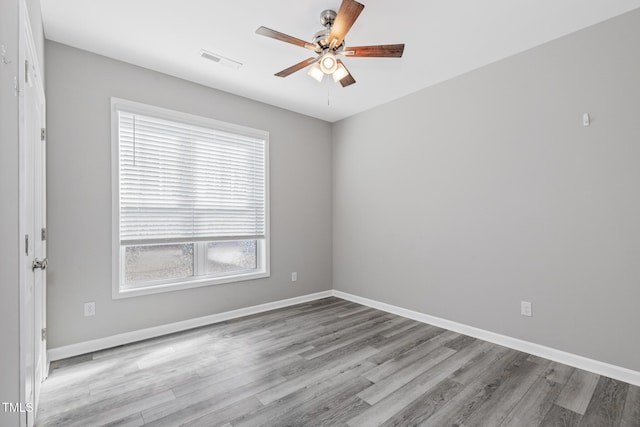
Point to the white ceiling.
(444, 38)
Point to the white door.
(32, 222)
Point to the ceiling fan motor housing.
(321, 37)
(327, 18)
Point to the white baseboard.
(595, 366)
(143, 334)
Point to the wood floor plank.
(461, 342)
(304, 399)
(333, 368)
(428, 342)
(537, 359)
(340, 323)
(368, 329)
(631, 412)
(305, 366)
(277, 346)
(399, 344)
(505, 395)
(402, 327)
(485, 362)
(317, 329)
(93, 416)
(607, 404)
(534, 405)
(145, 346)
(226, 349)
(185, 368)
(342, 411)
(391, 383)
(419, 412)
(395, 362)
(235, 374)
(134, 420)
(561, 417)
(354, 311)
(196, 405)
(218, 418)
(396, 401)
(309, 410)
(76, 407)
(577, 392)
(311, 315)
(559, 373)
(148, 382)
(76, 375)
(347, 326)
(54, 401)
(461, 406)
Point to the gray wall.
(463, 199)
(79, 87)
(9, 241)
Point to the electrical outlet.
(294, 276)
(525, 308)
(89, 309)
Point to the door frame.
(29, 330)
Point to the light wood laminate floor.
(327, 363)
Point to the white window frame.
(117, 254)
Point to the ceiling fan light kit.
(328, 63)
(329, 43)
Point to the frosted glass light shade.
(340, 73)
(316, 72)
(328, 63)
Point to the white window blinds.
(183, 182)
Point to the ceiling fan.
(329, 43)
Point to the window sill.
(190, 284)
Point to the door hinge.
(43, 234)
(26, 71)
(43, 133)
(26, 244)
(44, 334)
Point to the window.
(190, 202)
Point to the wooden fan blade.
(348, 79)
(379, 51)
(268, 32)
(299, 66)
(347, 15)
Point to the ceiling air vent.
(220, 59)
